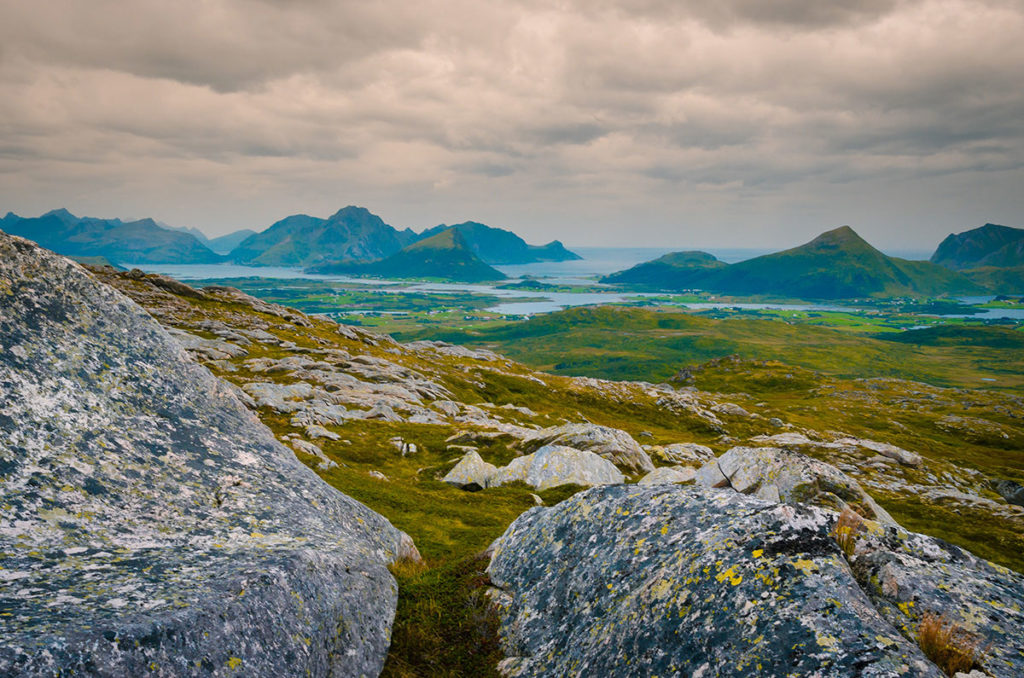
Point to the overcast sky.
(678, 123)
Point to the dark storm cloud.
(540, 116)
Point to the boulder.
(675, 580)
(471, 473)
(1011, 491)
(555, 465)
(666, 475)
(324, 462)
(783, 475)
(151, 525)
(690, 454)
(614, 445)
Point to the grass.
(948, 645)
(846, 531)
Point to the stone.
(613, 444)
(377, 475)
(383, 412)
(732, 410)
(317, 431)
(688, 581)
(1009, 490)
(710, 475)
(792, 477)
(669, 474)
(683, 453)
(471, 473)
(555, 465)
(144, 505)
(325, 463)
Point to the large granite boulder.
(614, 445)
(151, 525)
(783, 475)
(471, 473)
(674, 580)
(554, 465)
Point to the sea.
(585, 272)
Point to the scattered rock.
(732, 410)
(471, 473)
(690, 454)
(611, 443)
(325, 462)
(378, 475)
(669, 474)
(555, 465)
(1011, 491)
(317, 431)
(404, 447)
(782, 475)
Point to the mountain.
(352, 233)
(990, 245)
(443, 255)
(676, 270)
(838, 264)
(191, 230)
(133, 242)
(498, 246)
(225, 243)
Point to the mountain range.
(838, 264)
(498, 246)
(445, 254)
(989, 245)
(142, 241)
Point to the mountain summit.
(989, 245)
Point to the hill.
(676, 270)
(990, 245)
(129, 242)
(352, 233)
(838, 264)
(225, 243)
(499, 246)
(999, 280)
(443, 255)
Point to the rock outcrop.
(471, 473)
(781, 475)
(672, 580)
(666, 475)
(555, 465)
(614, 445)
(151, 524)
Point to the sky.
(676, 123)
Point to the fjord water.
(595, 262)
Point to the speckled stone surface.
(149, 524)
(670, 580)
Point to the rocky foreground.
(151, 522)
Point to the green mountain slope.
(676, 270)
(123, 242)
(498, 246)
(444, 255)
(990, 245)
(838, 264)
(352, 233)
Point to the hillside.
(499, 246)
(838, 264)
(989, 245)
(225, 243)
(674, 271)
(388, 422)
(444, 255)
(352, 233)
(121, 242)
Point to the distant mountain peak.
(61, 213)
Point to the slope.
(676, 270)
(989, 245)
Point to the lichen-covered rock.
(555, 465)
(674, 580)
(782, 475)
(689, 454)
(614, 445)
(908, 575)
(1011, 491)
(471, 473)
(669, 474)
(151, 525)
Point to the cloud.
(554, 118)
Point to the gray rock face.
(555, 465)
(781, 475)
(664, 475)
(151, 524)
(1011, 491)
(671, 580)
(689, 454)
(471, 473)
(614, 445)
